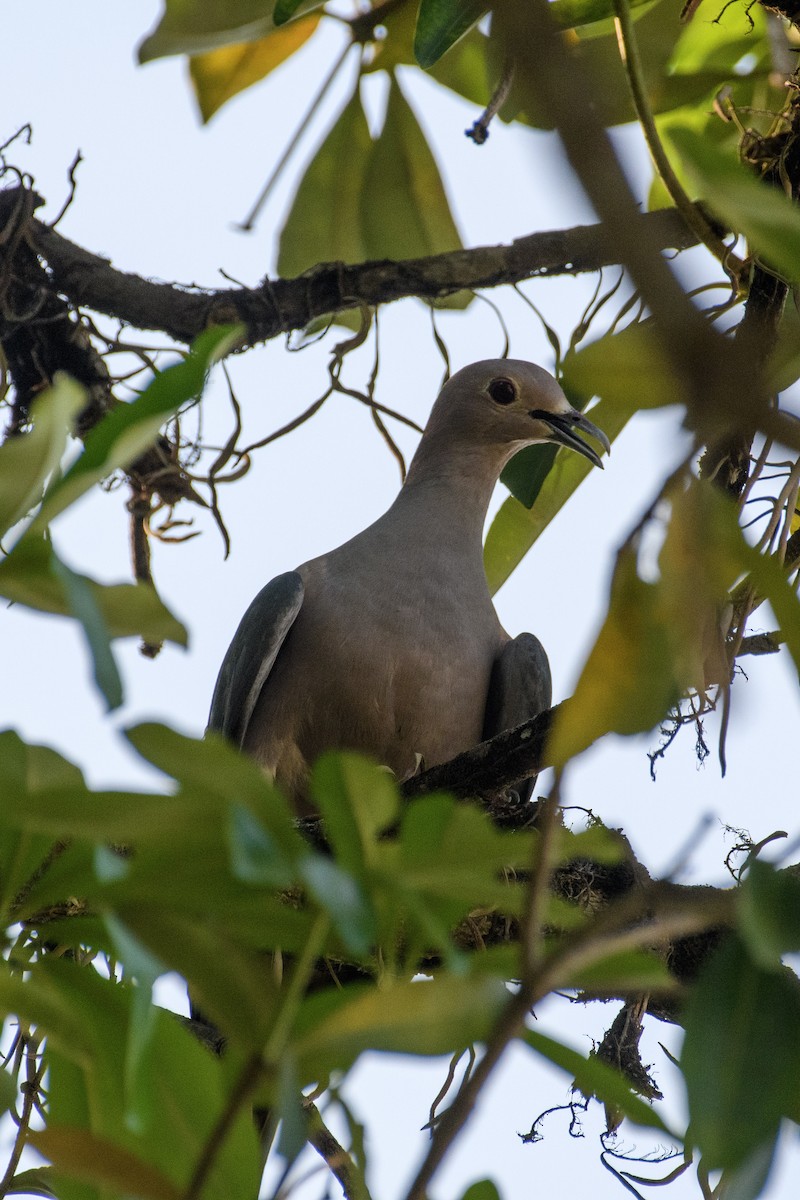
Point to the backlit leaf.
(128, 429)
(197, 26)
(220, 74)
(404, 208)
(323, 224)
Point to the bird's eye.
(502, 391)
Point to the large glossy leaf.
(197, 26)
(28, 460)
(722, 43)
(766, 217)
(28, 577)
(741, 1056)
(441, 23)
(221, 74)
(357, 801)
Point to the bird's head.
(512, 403)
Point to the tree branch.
(279, 306)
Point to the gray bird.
(390, 644)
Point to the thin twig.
(479, 131)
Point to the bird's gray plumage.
(390, 644)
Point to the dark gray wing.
(519, 687)
(252, 653)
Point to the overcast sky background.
(160, 196)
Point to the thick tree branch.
(279, 306)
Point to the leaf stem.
(691, 213)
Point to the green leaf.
(741, 1056)
(29, 576)
(231, 984)
(428, 1017)
(343, 898)
(596, 1078)
(84, 606)
(85, 1092)
(404, 208)
(767, 218)
(221, 74)
(524, 476)
(323, 224)
(482, 1189)
(628, 370)
(284, 9)
(129, 429)
(197, 26)
(721, 44)
(213, 768)
(441, 23)
(748, 1181)
(28, 460)
(357, 800)
(628, 683)
(769, 914)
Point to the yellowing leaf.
(627, 684)
(197, 26)
(658, 639)
(222, 73)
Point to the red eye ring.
(502, 391)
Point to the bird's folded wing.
(252, 653)
(520, 687)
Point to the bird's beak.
(564, 425)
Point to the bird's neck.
(454, 489)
